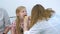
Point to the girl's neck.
(21, 20)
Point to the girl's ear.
(17, 14)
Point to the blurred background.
(11, 5)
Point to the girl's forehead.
(23, 10)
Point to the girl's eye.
(23, 11)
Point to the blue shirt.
(45, 27)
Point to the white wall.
(11, 5)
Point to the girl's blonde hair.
(18, 27)
(39, 13)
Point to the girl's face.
(23, 13)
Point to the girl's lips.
(25, 15)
